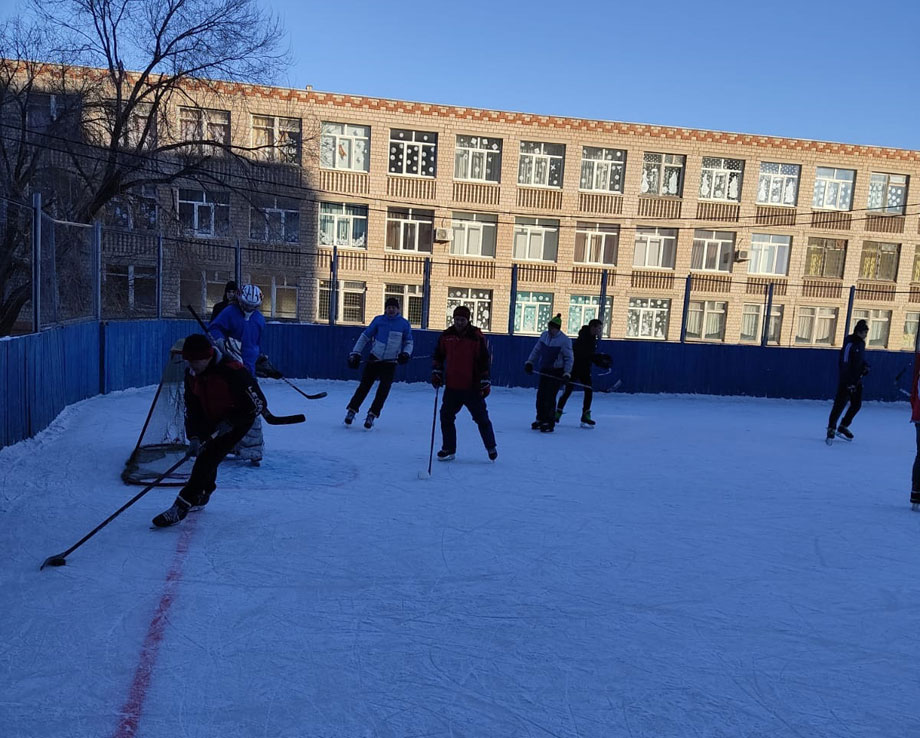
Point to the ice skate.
(493, 453)
(172, 516)
(546, 427)
(915, 501)
(445, 455)
(558, 414)
(844, 433)
(586, 421)
(369, 421)
(350, 416)
(535, 425)
(830, 436)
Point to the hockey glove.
(437, 378)
(354, 361)
(485, 387)
(528, 368)
(223, 428)
(403, 358)
(194, 446)
(264, 368)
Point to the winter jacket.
(552, 353)
(218, 308)
(585, 349)
(852, 361)
(246, 329)
(223, 392)
(463, 357)
(915, 392)
(389, 337)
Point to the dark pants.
(915, 477)
(546, 395)
(455, 399)
(840, 401)
(203, 479)
(374, 370)
(584, 379)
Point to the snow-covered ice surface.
(695, 566)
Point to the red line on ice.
(133, 707)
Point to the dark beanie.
(391, 301)
(231, 285)
(557, 321)
(463, 311)
(861, 325)
(196, 347)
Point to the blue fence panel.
(136, 351)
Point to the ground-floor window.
(477, 300)
(706, 320)
(350, 301)
(584, 308)
(648, 317)
(532, 311)
(816, 326)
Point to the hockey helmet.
(250, 297)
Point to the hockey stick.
(614, 388)
(434, 421)
(317, 396)
(61, 558)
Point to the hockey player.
(221, 400)
(915, 419)
(229, 298)
(585, 350)
(238, 332)
(553, 355)
(390, 336)
(853, 367)
(461, 363)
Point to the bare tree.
(78, 126)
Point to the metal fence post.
(602, 308)
(426, 294)
(238, 265)
(513, 302)
(159, 287)
(846, 326)
(333, 285)
(683, 320)
(97, 263)
(36, 261)
(766, 319)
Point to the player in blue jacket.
(390, 338)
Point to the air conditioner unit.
(742, 255)
(442, 234)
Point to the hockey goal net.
(162, 441)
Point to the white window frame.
(602, 169)
(342, 215)
(595, 240)
(662, 242)
(273, 285)
(911, 326)
(769, 254)
(642, 318)
(536, 164)
(128, 211)
(752, 313)
(706, 320)
(713, 251)
(833, 188)
(350, 296)
(584, 308)
(282, 211)
(816, 326)
(345, 147)
(662, 174)
(532, 311)
(411, 300)
(480, 153)
(879, 326)
(404, 141)
(128, 275)
(778, 184)
(410, 230)
(195, 122)
(474, 234)
(721, 179)
(205, 212)
(208, 286)
(533, 236)
(882, 188)
(479, 302)
(282, 138)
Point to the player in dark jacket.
(221, 402)
(585, 349)
(853, 367)
(461, 364)
(229, 298)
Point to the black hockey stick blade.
(282, 419)
(317, 396)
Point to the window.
(778, 184)
(202, 288)
(816, 326)
(140, 127)
(128, 290)
(648, 317)
(662, 174)
(45, 111)
(411, 300)
(706, 320)
(879, 326)
(825, 257)
(414, 153)
(342, 224)
(133, 210)
(584, 308)
(279, 294)
(833, 188)
(655, 247)
(751, 326)
(879, 261)
(532, 311)
(202, 124)
(477, 300)
(887, 193)
(204, 214)
(713, 250)
(721, 179)
(909, 339)
(274, 219)
(915, 273)
(276, 139)
(474, 234)
(596, 243)
(541, 164)
(350, 301)
(410, 229)
(344, 146)
(602, 169)
(536, 239)
(769, 254)
(478, 159)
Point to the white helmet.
(250, 297)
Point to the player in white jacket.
(553, 358)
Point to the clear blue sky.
(838, 71)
